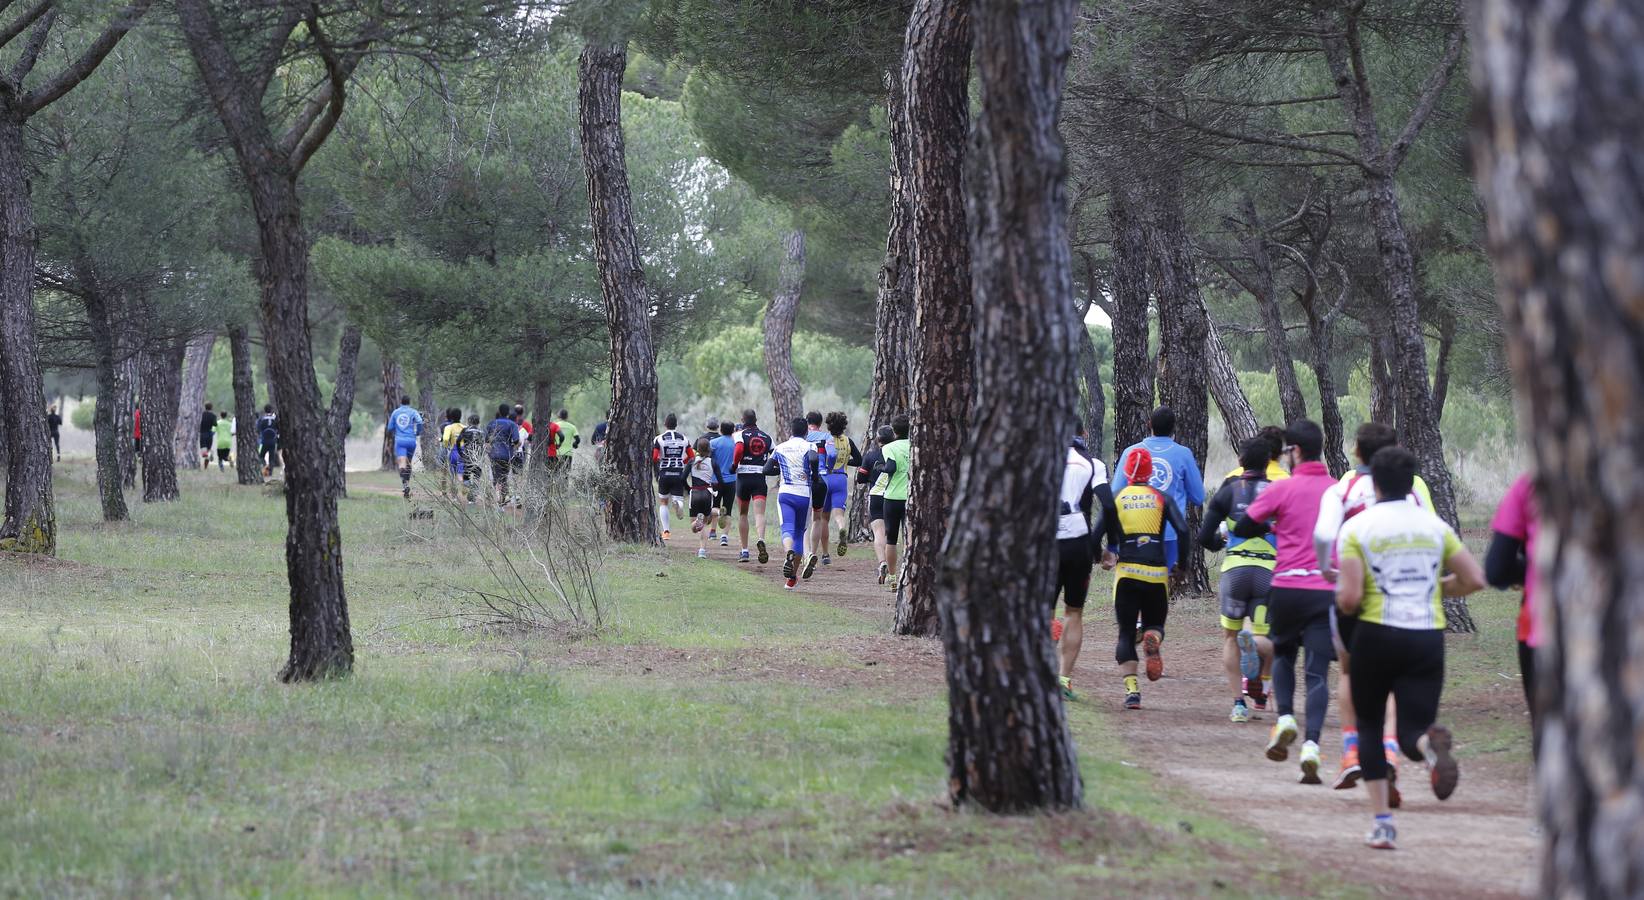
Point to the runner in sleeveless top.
(816, 535)
(896, 466)
(1135, 523)
(796, 462)
(704, 477)
(1392, 559)
(723, 449)
(872, 474)
(1082, 476)
(672, 454)
(843, 454)
(753, 452)
(1247, 576)
(709, 434)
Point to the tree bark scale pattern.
(31, 518)
(162, 388)
(1132, 368)
(787, 396)
(246, 467)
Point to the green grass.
(145, 747)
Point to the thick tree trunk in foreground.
(192, 399)
(342, 404)
(787, 397)
(1559, 153)
(1184, 329)
(246, 469)
(162, 384)
(935, 81)
(393, 385)
(1223, 380)
(101, 310)
(1009, 748)
(629, 515)
(31, 516)
(1132, 367)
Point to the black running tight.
(1407, 664)
(1300, 620)
(1131, 597)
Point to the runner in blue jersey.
(797, 463)
(816, 537)
(405, 424)
(843, 455)
(500, 437)
(1175, 472)
(723, 450)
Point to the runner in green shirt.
(896, 466)
(568, 441)
(224, 431)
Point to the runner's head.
(1371, 437)
(404, 400)
(268, 408)
(1274, 436)
(670, 421)
(814, 420)
(886, 435)
(453, 415)
(563, 414)
(1163, 421)
(837, 423)
(1254, 454)
(519, 410)
(702, 446)
(504, 411)
(727, 428)
(1138, 466)
(208, 408)
(901, 426)
(713, 424)
(1393, 472)
(473, 418)
(1304, 438)
(798, 427)
(749, 418)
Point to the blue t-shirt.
(1175, 474)
(406, 423)
(723, 449)
(502, 434)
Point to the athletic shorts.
(406, 449)
(1243, 592)
(751, 487)
(1078, 557)
(796, 514)
(207, 440)
(270, 455)
(1131, 598)
(1342, 628)
(499, 471)
(895, 512)
(839, 490)
(222, 453)
(453, 461)
(670, 485)
(702, 502)
(725, 496)
(819, 495)
(876, 507)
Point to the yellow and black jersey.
(1134, 521)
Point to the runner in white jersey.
(672, 454)
(1076, 548)
(796, 461)
(704, 478)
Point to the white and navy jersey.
(796, 462)
(1079, 480)
(1351, 495)
(753, 451)
(704, 474)
(671, 452)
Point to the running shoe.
(1250, 662)
(1440, 764)
(742, 556)
(1155, 662)
(1394, 798)
(764, 557)
(884, 572)
(1067, 687)
(1055, 630)
(1383, 837)
(712, 532)
(1133, 700)
(1348, 777)
(840, 550)
(702, 553)
(1241, 713)
(1280, 739)
(406, 491)
(790, 564)
(724, 540)
(1258, 697)
(810, 565)
(1310, 763)
(790, 583)
(666, 534)
(827, 560)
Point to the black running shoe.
(764, 557)
(788, 564)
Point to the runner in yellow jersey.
(1247, 577)
(1135, 522)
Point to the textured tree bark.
(130, 371)
(1184, 329)
(1132, 365)
(935, 82)
(787, 397)
(246, 470)
(1095, 412)
(1223, 380)
(342, 404)
(1321, 334)
(1441, 366)
(1291, 400)
(31, 516)
(1384, 390)
(393, 385)
(192, 399)
(101, 310)
(1559, 152)
(162, 386)
(428, 442)
(1009, 748)
(628, 493)
(537, 465)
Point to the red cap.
(1138, 466)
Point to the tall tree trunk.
(1384, 391)
(246, 470)
(787, 397)
(628, 513)
(31, 515)
(935, 81)
(1184, 329)
(1090, 372)
(101, 320)
(191, 399)
(1559, 152)
(1441, 368)
(1321, 334)
(1009, 748)
(542, 392)
(1291, 400)
(129, 368)
(393, 386)
(162, 386)
(1223, 380)
(1132, 365)
(892, 364)
(428, 442)
(342, 405)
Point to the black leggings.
(1300, 619)
(1527, 673)
(1130, 597)
(1077, 557)
(1409, 665)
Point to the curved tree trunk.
(192, 399)
(342, 404)
(629, 514)
(1291, 401)
(935, 81)
(1009, 748)
(1559, 154)
(31, 515)
(393, 385)
(787, 397)
(429, 441)
(102, 324)
(1321, 333)
(1441, 366)
(246, 470)
(162, 385)
(1132, 366)
(1223, 380)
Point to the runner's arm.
(856, 454)
(1195, 484)
(1327, 526)
(1210, 536)
(1504, 563)
(1173, 515)
(1465, 575)
(1350, 585)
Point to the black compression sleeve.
(1220, 505)
(1504, 563)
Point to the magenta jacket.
(1292, 507)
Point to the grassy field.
(720, 739)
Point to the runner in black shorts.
(753, 451)
(872, 474)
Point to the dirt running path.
(1477, 844)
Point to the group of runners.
(468, 450)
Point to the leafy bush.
(81, 417)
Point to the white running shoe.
(1310, 763)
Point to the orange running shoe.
(1348, 778)
(1150, 649)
